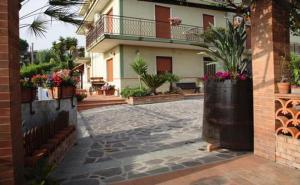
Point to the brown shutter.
(110, 70)
(110, 21)
(162, 16)
(164, 65)
(207, 21)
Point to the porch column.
(270, 40)
(11, 149)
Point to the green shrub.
(34, 69)
(134, 92)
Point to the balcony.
(135, 29)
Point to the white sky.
(55, 29)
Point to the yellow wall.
(187, 64)
(189, 15)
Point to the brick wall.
(287, 151)
(270, 37)
(11, 154)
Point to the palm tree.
(228, 48)
(140, 67)
(171, 78)
(54, 10)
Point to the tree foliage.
(244, 7)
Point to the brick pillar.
(270, 40)
(11, 149)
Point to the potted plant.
(171, 78)
(28, 90)
(294, 67)
(108, 90)
(62, 84)
(175, 21)
(228, 99)
(284, 84)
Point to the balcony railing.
(142, 28)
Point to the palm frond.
(65, 2)
(63, 14)
(38, 27)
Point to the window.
(209, 69)
(164, 65)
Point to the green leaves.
(139, 66)
(153, 81)
(294, 66)
(56, 10)
(38, 27)
(227, 46)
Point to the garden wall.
(287, 151)
(45, 112)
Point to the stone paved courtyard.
(124, 142)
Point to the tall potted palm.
(228, 95)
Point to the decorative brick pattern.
(270, 38)
(11, 149)
(287, 124)
(288, 115)
(154, 99)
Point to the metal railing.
(143, 28)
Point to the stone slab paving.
(126, 142)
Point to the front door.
(110, 70)
(164, 65)
(162, 16)
(208, 20)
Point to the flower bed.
(154, 99)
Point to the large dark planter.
(228, 113)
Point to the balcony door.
(162, 16)
(207, 21)
(110, 70)
(110, 21)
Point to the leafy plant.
(107, 87)
(140, 67)
(39, 80)
(40, 174)
(171, 78)
(294, 67)
(134, 92)
(80, 96)
(62, 78)
(283, 65)
(27, 84)
(153, 81)
(228, 48)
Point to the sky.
(55, 29)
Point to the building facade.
(117, 31)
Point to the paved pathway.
(125, 142)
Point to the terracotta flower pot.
(61, 92)
(28, 95)
(295, 89)
(283, 87)
(100, 92)
(109, 92)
